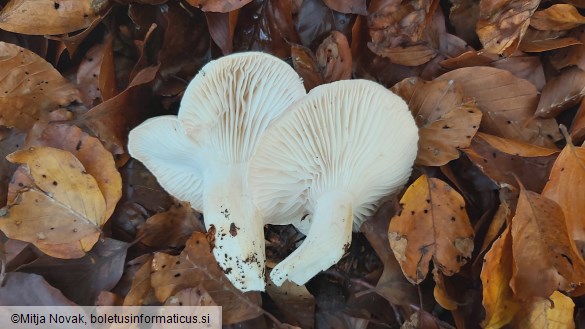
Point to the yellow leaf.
(433, 224)
(542, 313)
(62, 212)
(500, 306)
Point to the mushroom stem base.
(328, 239)
(239, 230)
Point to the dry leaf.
(220, 6)
(578, 125)
(545, 259)
(433, 225)
(295, 302)
(30, 87)
(25, 289)
(506, 161)
(83, 279)
(554, 312)
(41, 17)
(334, 58)
(502, 23)
(221, 29)
(498, 298)
(447, 121)
(440, 292)
(191, 297)
(561, 92)
(508, 104)
(61, 215)
(96, 160)
(10, 141)
(194, 267)
(172, 228)
(540, 41)
(88, 75)
(305, 64)
(567, 178)
(348, 6)
(556, 18)
(141, 291)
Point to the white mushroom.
(336, 152)
(202, 155)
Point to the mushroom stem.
(328, 239)
(239, 230)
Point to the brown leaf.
(305, 64)
(30, 87)
(562, 92)
(62, 189)
(191, 297)
(502, 23)
(440, 292)
(446, 120)
(26, 289)
(508, 104)
(557, 17)
(334, 58)
(564, 187)
(578, 125)
(463, 16)
(194, 267)
(83, 279)
(555, 311)
(433, 225)
(314, 20)
(523, 67)
(10, 141)
(96, 160)
(221, 28)
(172, 228)
(573, 55)
(141, 292)
(545, 259)
(505, 161)
(295, 302)
(392, 285)
(348, 6)
(533, 44)
(112, 119)
(498, 298)
(40, 17)
(220, 6)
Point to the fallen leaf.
(314, 20)
(498, 298)
(564, 187)
(561, 92)
(446, 120)
(30, 87)
(578, 125)
(25, 289)
(88, 75)
(554, 312)
(532, 44)
(83, 279)
(220, 6)
(392, 285)
(348, 6)
(191, 297)
(508, 104)
(141, 291)
(196, 266)
(221, 29)
(10, 141)
(41, 17)
(65, 191)
(305, 64)
(544, 259)
(440, 292)
(172, 228)
(502, 23)
(463, 16)
(96, 160)
(505, 160)
(334, 58)
(433, 225)
(557, 17)
(295, 302)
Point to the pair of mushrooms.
(250, 147)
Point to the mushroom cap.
(352, 135)
(225, 109)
